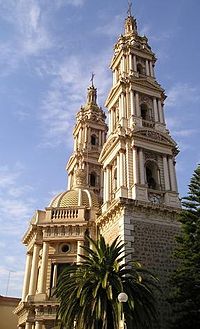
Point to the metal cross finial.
(129, 8)
(92, 79)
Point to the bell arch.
(152, 173)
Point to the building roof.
(75, 198)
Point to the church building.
(121, 182)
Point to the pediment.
(155, 136)
(108, 144)
(148, 84)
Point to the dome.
(75, 198)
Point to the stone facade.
(123, 185)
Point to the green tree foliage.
(185, 282)
(88, 293)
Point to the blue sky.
(48, 49)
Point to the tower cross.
(92, 79)
(129, 8)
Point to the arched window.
(144, 112)
(152, 175)
(115, 179)
(139, 69)
(93, 140)
(93, 179)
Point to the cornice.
(124, 203)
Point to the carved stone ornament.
(155, 198)
(154, 135)
(150, 155)
(146, 99)
(80, 177)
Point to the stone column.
(172, 175)
(120, 107)
(135, 166)
(99, 137)
(123, 65)
(69, 181)
(166, 173)
(128, 165)
(89, 137)
(103, 137)
(38, 325)
(141, 166)
(114, 77)
(34, 270)
(130, 62)
(110, 122)
(26, 276)
(160, 110)
(137, 104)
(147, 67)
(55, 272)
(28, 325)
(132, 102)
(134, 63)
(122, 168)
(155, 109)
(79, 251)
(151, 69)
(43, 269)
(108, 184)
(85, 140)
(104, 185)
(123, 105)
(118, 171)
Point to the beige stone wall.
(8, 320)
(152, 237)
(150, 233)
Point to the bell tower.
(139, 155)
(140, 198)
(89, 137)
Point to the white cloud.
(30, 35)
(110, 29)
(15, 204)
(185, 132)
(68, 92)
(61, 3)
(182, 93)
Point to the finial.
(92, 79)
(129, 8)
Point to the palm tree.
(88, 292)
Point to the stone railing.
(148, 124)
(64, 213)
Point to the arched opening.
(93, 140)
(144, 112)
(152, 175)
(139, 69)
(93, 179)
(115, 179)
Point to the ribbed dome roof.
(75, 198)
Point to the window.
(139, 69)
(152, 175)
(115, 179)
(144, 111)
(93, 178)
(93, 140)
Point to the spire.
(130, 21)
(92, 92)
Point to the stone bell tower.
(89, 137)
(55, 235)
(140, 200)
